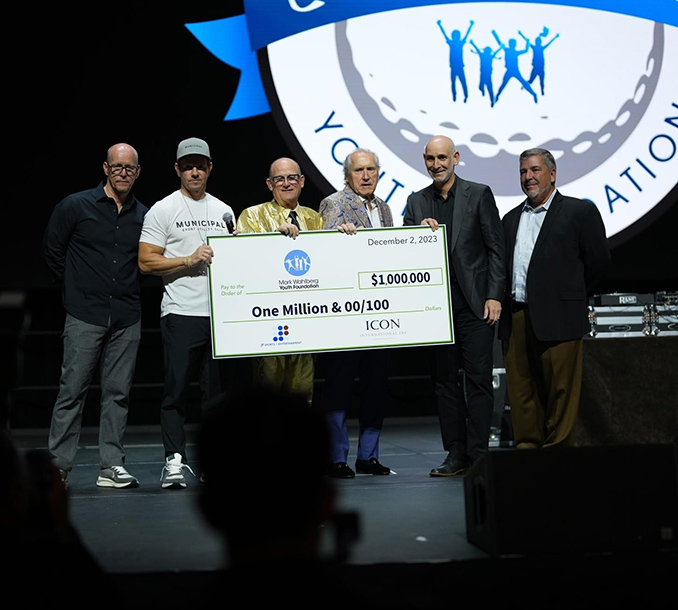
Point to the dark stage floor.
(412, 532)
(406, 517)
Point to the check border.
(224, 247)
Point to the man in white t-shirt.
(173, 244)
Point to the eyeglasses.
(291, 178)
(116, 168)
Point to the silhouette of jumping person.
(486, 57)
(456, 44)
(511, 55)
(538, 49)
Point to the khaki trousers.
(544, 386)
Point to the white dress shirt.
(529, 226)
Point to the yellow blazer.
(267, 217)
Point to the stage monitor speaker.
(590, 499)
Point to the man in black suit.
(556, 251)
(475, 246)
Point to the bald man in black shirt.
(91, 245)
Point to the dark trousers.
(342, 368)
(465, 420)
(187, 348)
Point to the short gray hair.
(546, 155)
(348, 164)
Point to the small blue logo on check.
(297, 263)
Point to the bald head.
(441, 157)
(285, 181)
(440, 143)
(121, 149)
(122, 169)
(284, 162)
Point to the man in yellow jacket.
(292, 373)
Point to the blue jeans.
(341, 370)
(85, 346)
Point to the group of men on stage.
(530, 273)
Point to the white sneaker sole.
(106, 482)
(173, 485)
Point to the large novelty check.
(327, 291)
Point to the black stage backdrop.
(82, 76)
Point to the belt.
(517, 306)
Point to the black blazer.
(570, 256)
(477, 243)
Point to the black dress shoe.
(371, 466)
(450, 467)
(341, 470)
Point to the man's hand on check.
(431, 222)
(349, 228)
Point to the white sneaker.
(116, 476)
(173, 472)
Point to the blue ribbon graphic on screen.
(236, 40)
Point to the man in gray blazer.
(475, 247)
(354, 207)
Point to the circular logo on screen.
(596, 88)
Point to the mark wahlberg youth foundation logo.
(591, 80)
(297, 263)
